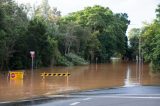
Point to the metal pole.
(32, 63)
(139, 51)
(32, 56)
(139, 59)
(96, 63)
(136, 68)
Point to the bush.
(75, 59)
(155, 67)
(64, 62)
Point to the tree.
(72, 37)
(134, 36)
(13, 21)
(151, 42)
(96, 17)
(95, 32)
(37, 41)
(46, 12)
(110, 28)
(50, 17)
(158, 12)
(120, 25)
(92, 47)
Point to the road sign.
(32, 54)
(16, 75)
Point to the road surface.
(123, 96)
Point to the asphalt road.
(124, 96)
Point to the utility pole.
(139, 59)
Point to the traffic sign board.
(32, 54)
(16, 75)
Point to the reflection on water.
(81, 78)
(133, 77)
(132, 80)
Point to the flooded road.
(81, 78)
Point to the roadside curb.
(60, 96)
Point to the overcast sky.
(137, 10)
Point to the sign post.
(32, 56)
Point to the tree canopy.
(108, 28)
(150, 41)
(76, 39)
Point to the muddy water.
(81, 78)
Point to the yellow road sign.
(16, 75)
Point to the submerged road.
(123, 96)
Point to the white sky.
(137, 10)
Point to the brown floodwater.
(81, 78)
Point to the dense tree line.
(107, 32)
(149, 37)
(82, 37)
(133, 49)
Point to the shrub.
(155, 67)
(75, 59)
(64, 62)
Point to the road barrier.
(55, 74)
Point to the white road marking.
(75, 103)
(138, 94)
(51, 96)
(87, 99)
(131, 97)
(25, 100)
(121, 96)
(5, 102)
